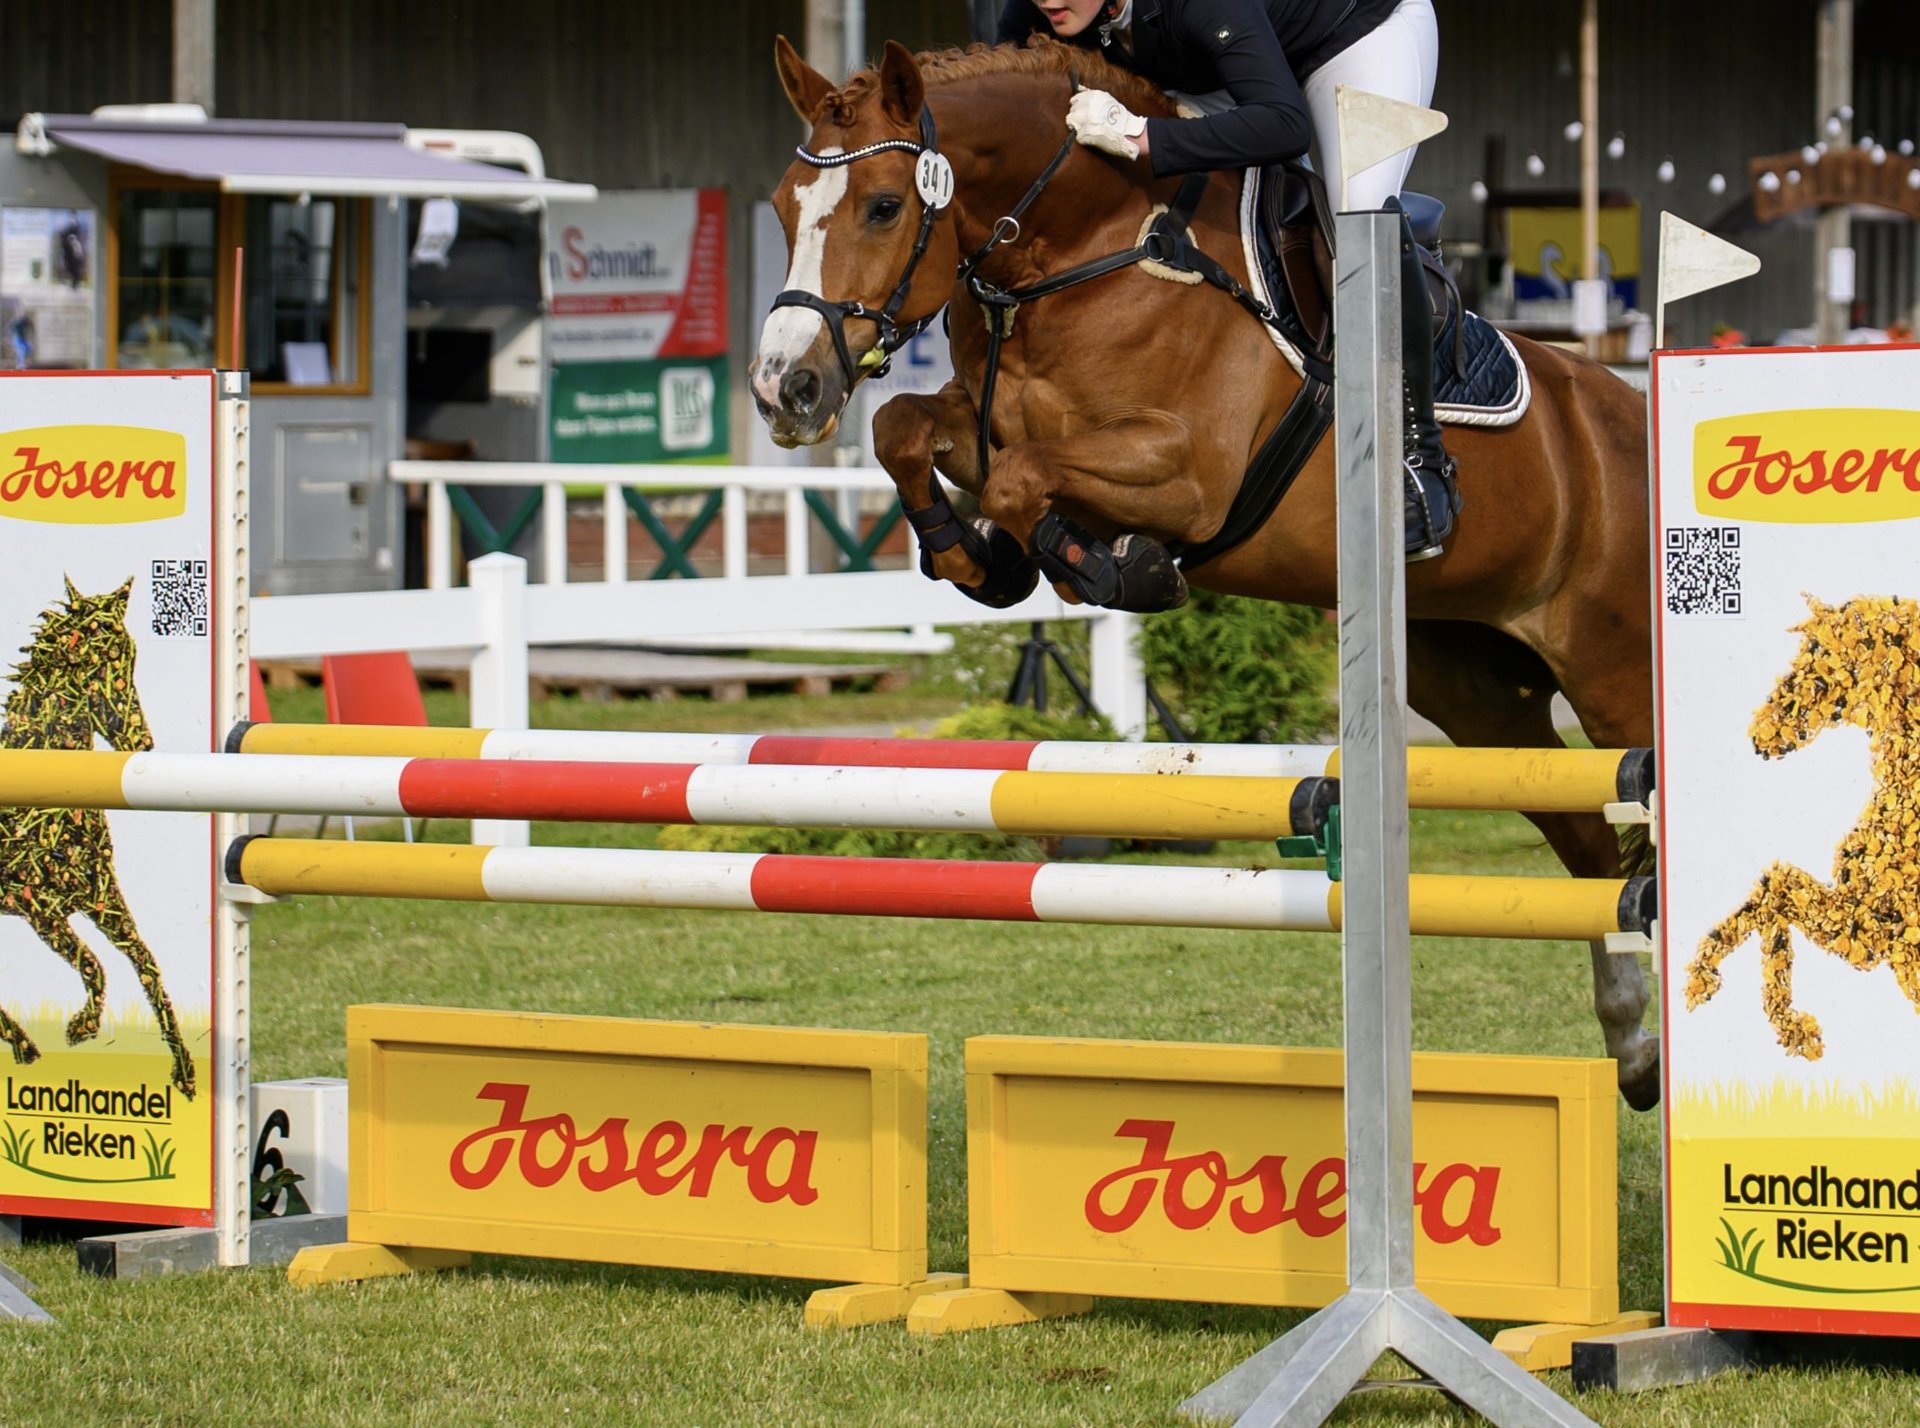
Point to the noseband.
(933, 180)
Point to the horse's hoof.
(81, 1027)
(1150, 581)
(1010, 572)
(1640, 1079)
(1800, 1035)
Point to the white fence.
(735, 483)
(499, 615)
(553, 481)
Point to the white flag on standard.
(1693, 261)
(1374, 127)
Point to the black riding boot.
(1431, 495)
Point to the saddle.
(1479, 380)
(1296, 227)
(1287, 230)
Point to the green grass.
(527, 1341)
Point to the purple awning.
(286, 157)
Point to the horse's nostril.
(800, 391)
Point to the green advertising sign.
(654, 409)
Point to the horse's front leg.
(1131, 476)
(14, 1035)
(53, 930)
(116, 922)
(1726, 937)
(911, 436)
(1785, 897)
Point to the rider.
(1278, 62)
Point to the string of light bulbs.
(1810, 154)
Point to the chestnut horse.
(1133, 405)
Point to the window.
(300, 319)
(168, 292)
(302, 280)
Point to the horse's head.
(1858, 663)
(83, 655)
(870, 257)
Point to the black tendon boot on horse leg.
(1431, 495)
(1010, 572)
(1135, 573)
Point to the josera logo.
(1454, 1202)
(542, 1151)
(1825, 465)
(93, 475)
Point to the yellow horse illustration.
(1859, 663)
(76, 683)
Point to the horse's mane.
(1040, 56)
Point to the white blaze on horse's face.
(790, 332)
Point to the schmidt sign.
(638, 334)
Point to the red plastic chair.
(258, 710)
(373, 689)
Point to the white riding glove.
(1102, 122)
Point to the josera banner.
(106, 920)
(753, 1150)
(638, 333)
(1787, 487)
(1170, 1170)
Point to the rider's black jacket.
(1259, 51)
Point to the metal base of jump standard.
(1302, 1377)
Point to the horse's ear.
(73, 591)
(902, 90)
(806, 87)
(120, 596)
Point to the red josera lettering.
(544, 1150)
(1846, 471)
(101, 480)
(1192, 1189)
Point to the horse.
(1130, 406)
(1856, 665)
(55, 863)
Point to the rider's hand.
(1102, 122)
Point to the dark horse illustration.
(1859, 663)
(1131, 406)
(75, 684)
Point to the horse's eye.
(883, 210)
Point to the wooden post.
(1833, 88)
(1590, 150)
(826, 42)
(193, 52)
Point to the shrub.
(1239, 671)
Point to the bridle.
(933, 181)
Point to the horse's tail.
(1638, 857)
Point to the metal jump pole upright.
(1301, 1377)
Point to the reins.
(1165, 242)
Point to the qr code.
(181, 594)
(1703, 570)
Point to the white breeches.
(1399, 59)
